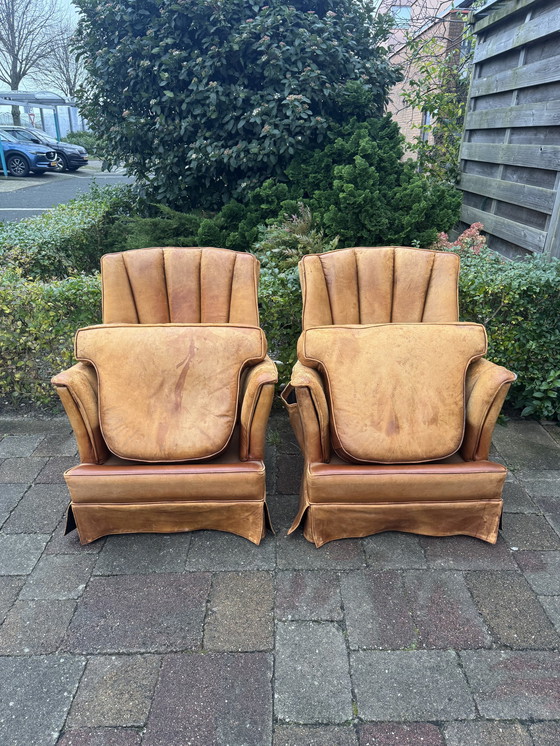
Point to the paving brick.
(10, 495)
(289, 469)
(10, 587)
(301, 735)
(57, 444)
(100, 737)
(296, 553)
(514, 685)
(270, 455)
(548, 504)
(240, 612)
(516, 499)
(38, 692)
(529, 532)
(313, 655)
(63, 576)
(283, 509)
(543, 483)
(554, 521)
(39, 510)
(140, 613)
(526, 445)
(487, 734)
(444, 612)
(218, 699)
(466, 553)
(217, 550)
(312, 595)
(287, 439)
(392, 550)
(19, 552)
(53, 471)
(551, 605)
(542, 571)
(19, 445)
(31, 425)
(400, 734)
(511, 610)
(115, 690)
(415, 685)
(20, 470)
(377, 609)
(35, 627)
(545, 734)
(143, 553)
(553, 430)
(70, 543)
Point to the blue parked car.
(69, 157)
(21, 158)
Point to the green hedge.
(519, 304)
(87, 140)
(38, 321)
(67, 239)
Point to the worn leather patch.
(396, 391)
(169, 392)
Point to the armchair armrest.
(256, 401)
(487, 385)
(77, 389)
(309, 415)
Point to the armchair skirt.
(444, 498)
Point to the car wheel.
(62, 162)
(17, 165)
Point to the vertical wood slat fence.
(510, 155)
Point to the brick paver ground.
(204, 639)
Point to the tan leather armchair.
(170, 400)
(380, 325)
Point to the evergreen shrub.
(519, 304)
(202, 101)
(38, 321)
(357, 186)
(66, 240)
(87, 140)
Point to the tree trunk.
(16, 116)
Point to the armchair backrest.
(187, 285)
(379, 285)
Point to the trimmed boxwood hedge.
(518, 302)
(37, 325)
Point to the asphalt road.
(32, 195)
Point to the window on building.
(402, 15)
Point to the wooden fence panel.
(510, 155)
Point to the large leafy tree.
(205, 99)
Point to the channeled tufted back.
(180, 285)
(379, 285)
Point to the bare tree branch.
(28, 33)
(65, 70)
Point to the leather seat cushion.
(169, 392)
(396, 391)
(117, 481)
(449, 480)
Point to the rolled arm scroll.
(256, 402)
(487, 385)
(77, 388)
(309, 414)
